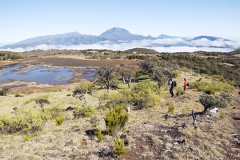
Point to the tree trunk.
(129, 82)
(123, 79)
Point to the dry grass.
(151, 135)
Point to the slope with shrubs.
(96, 124)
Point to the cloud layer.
(161, 45)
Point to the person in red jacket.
(185, 85)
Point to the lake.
(43, 74)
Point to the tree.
(42, 102)
(106, 75)
(81, 90)
(126, 73)
(159, 76)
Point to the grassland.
(151, 133)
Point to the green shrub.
(119, 148)
(83, 112)
(210, 92)
(42, 102)
(174, 74)
(19, 95)
(179, 91)
(214, 86)
(145, 94)
(59, 121)
(24, 121)
(4, 91)
(221, 115)
(54, 111)
(69, 94)
(99, 134)
(116, 120)
(26, 138)
(94, 121)
(171, 108)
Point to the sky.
(23, 19)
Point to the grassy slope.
(150, 134)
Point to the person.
(170, 83)
(185, 85)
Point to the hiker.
(185, 85)
(172, 84)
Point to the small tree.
(81, 90)
(42, 102)
(116, 120)
(106, 76)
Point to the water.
(42, 75)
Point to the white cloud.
(161, 45)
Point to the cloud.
(161, 45)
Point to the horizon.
(27, 19)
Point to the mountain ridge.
(114, 35)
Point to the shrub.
(19, 95)
(210, 92)
(54, 112)
(42, 102)
(174, 74)
(179, 91)
(83, 112)
(94, 121)
(214, 86)
(26, 138)
(221, 115)
(4, 91)
(119, 148)
(145, 94)
(115, 120)
(99, 134)
(171, 108)
(69, 94)
(59, 121)
(24, 120)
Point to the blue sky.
(22, 19)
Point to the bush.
(26, 138)
(210, 92)
(59, 121)
(174, 74)
(145, 94)
(171, 108)
(179, 91)
(24, 120)
(214, 86)
(83, 112)
(4, 91)
(19, 95)
(54, 111)
(115, 120)
(99, 134)
(69, 94)
(119, 148)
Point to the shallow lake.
(42, 75)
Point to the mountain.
(119, 35)
(73, 38)
(116, 34)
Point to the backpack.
(188, 84)
(174, 83)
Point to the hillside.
(159, 126)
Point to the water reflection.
(42, 75)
